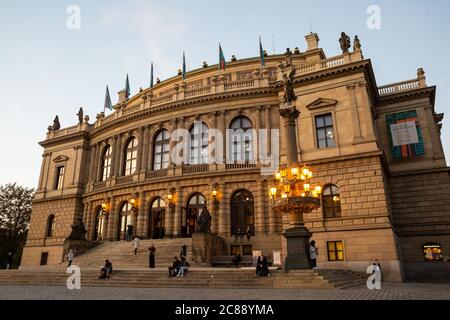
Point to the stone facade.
(387, 205)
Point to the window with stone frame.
(161, 150)
(331, 201)
(198, 143)
(130, 157)
(50, 228)
(242, 140)
(324, 131)
(335, 250)
(245, 75)
(59, 177)
(106, 163)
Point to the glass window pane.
(319, 122)
(321, 134)
(328, 120)
(339, 245)
(331, 246)
(322, 143)
(340, 255)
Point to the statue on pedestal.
(56, 124)
(356, 44)
(204, 221)
(344, 41)
(80, 116)
(78, 231)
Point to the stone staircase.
(121, 254)
(195, 278)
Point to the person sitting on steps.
(173, 270)
(184, 266)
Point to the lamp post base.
(297, 248)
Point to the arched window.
(242, 213)
(130, 157)
(126, 211)
(331, 200)
(157, 218)
(242, 139)
(99, 228)
(106, 163)
(161, 150)
(50, 229)
(199, 143)
(195, 206)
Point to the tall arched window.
(106, 163)
(156, 219)
(161, 150)
(126, 211)
(331, 199)
(130, 156)
(242, 213)
(199, 143)
(50, 229)
(242, 139)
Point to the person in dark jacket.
(258, 266)
(173, 270)
(183, 252)
(237, 259)
(264, 268)
(108, 267)
(9, 259)
(151, 256)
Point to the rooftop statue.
(344, 41)
(80, 116)
(56, 124)
(288, 58)
(356, 44)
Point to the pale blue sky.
(47, 69)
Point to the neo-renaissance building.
(375, 149)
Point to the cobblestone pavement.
(390, 291)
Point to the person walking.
(136, 244)
(9, 259)
(70, 257)
(151, 256)
(313, 252)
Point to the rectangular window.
(335, 251)
(247, 250)
(44, 258)
(235, 250)
(324, 131)
(59, 182)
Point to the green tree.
(15, 213)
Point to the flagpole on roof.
(151, 76)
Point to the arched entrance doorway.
(99, 227)
(195, 207)
(242, 213)
(156, 219)
(125, 219)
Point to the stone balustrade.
(399, 87)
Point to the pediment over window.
(320, 103)
(60, 159)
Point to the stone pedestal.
(204, 246)
(297, 248)
(78, 247)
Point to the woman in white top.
(313, 254)
(136, 244)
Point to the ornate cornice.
(64, 139)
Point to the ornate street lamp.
(292, 192)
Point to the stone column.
(98, 161)
(113, 211)
(117, 155)
(357, 136)
(273, 223)
(140, 149)
(92, 163)
(113, 156)
(221, 125)
(290, 116)
(140, 227)
(89, 219)
(176, 221)
(260, 221)
(146, 150)
(85, 212)
(268, 127)
(222, 210)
